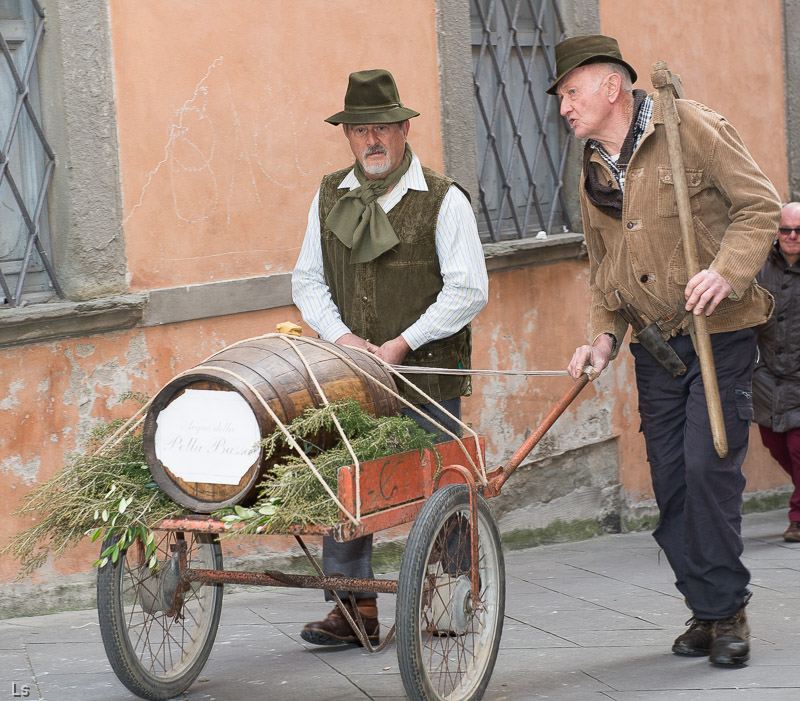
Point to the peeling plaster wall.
(54, 393)
(590, 465)
(218, 160)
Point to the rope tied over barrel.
(397, 371)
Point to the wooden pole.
(668, 87)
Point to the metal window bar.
(519, 181)
(31, 220)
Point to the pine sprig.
(291, 495)
(108, 493)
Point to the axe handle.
(700, 335)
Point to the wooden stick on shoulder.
(668, 86)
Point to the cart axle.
(281, 579)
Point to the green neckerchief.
(357, 219)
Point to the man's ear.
(613, 86)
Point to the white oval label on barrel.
(207, 436)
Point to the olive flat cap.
(589, 48)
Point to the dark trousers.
(699, 494)
(785, 448)
(353, 558)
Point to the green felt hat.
(372, 98)
(589, 48)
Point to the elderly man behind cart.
(638, 275)
(391, 262)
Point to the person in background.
(776, 379)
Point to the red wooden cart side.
(393, 490)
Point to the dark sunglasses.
(787, 230)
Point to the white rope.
(481, 472)
(283, 429)
(410, 369)
(419, 370)
(395, 370)
(124, 430)
(344, 438)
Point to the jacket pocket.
(739, 416)
(707, 249)
(667, 205)
(743, 399)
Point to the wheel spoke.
(453, 639)
(156, 655)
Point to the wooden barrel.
(201, 427)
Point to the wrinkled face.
(379, 148)
(583, 102)
(789, 232)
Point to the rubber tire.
(420, 653)
(164, 668)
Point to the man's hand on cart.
(596, 357)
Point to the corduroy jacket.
(640, 260)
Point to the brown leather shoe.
(792, 533)
(731, 645)
(695, 642)
(335, 630)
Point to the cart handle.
(506, 470)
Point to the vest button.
(644, 278)
(365, 299)
(630, 224)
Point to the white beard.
(377, 169)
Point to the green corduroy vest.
(380, 299)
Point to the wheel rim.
(455, 663)
(164, 641)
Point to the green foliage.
(106, 491)
(291, 495)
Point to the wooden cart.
(158, 626)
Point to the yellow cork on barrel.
(289, 327)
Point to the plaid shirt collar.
(642, 120)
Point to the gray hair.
(620, 70)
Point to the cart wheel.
(446, 642)
(156, 652)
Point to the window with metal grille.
(521, 138)
(26, 160)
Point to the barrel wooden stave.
(277, 374)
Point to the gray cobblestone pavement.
(585, 621)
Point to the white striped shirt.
(458, 246)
